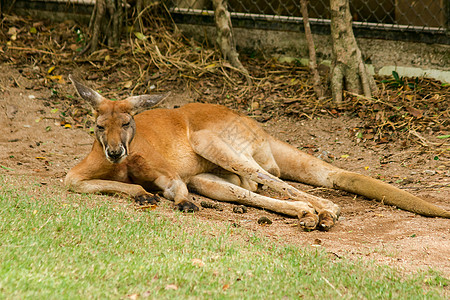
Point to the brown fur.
(217, 153)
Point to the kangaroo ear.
(88, 94)
(144, 102)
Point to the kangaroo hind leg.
(218, 188)
(210, 146)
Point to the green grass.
(57, 245)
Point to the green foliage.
(399, 82)
(80, 36)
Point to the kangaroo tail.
(387, 194)
(299, 166)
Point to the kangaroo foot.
(307, 220)
(326, 221)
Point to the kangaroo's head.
(115, 127)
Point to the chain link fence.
(425, 14)
(58, 10)
(418, 20)
(386, 17)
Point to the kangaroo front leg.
(163, 177)
(110, 187)
(176, 190)
(218, 188)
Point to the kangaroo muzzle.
(115, 154)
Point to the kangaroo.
(211, 150)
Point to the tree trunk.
(348, 67)
(139, 24)
(106, 24)
(312, 50)
(225, 38)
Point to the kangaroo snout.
(115, 154)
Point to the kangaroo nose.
(115, 154)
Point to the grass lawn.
(58, 245)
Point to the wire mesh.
(419, 20)
(419, 15)
(84, 2)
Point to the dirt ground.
(34, 143)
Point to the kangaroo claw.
(326, 221)
(187, 206)
(308, 221)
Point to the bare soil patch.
(44, 131)
(33, 143)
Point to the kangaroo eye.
(100, 128)
(126, 124)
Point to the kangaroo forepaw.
(187, 206)
(307, 220)
(326, 220)
(147, 199)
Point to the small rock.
(264, 221)
(240, 209)
(11, 111)
(212, 205)
(198, 262)
(133, 296)
(430, 172)
(407, 181)
(317, 242)
(171, 287)
(325, 156)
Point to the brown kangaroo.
(217, 153)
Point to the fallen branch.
(34, 50)
(424, 141)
